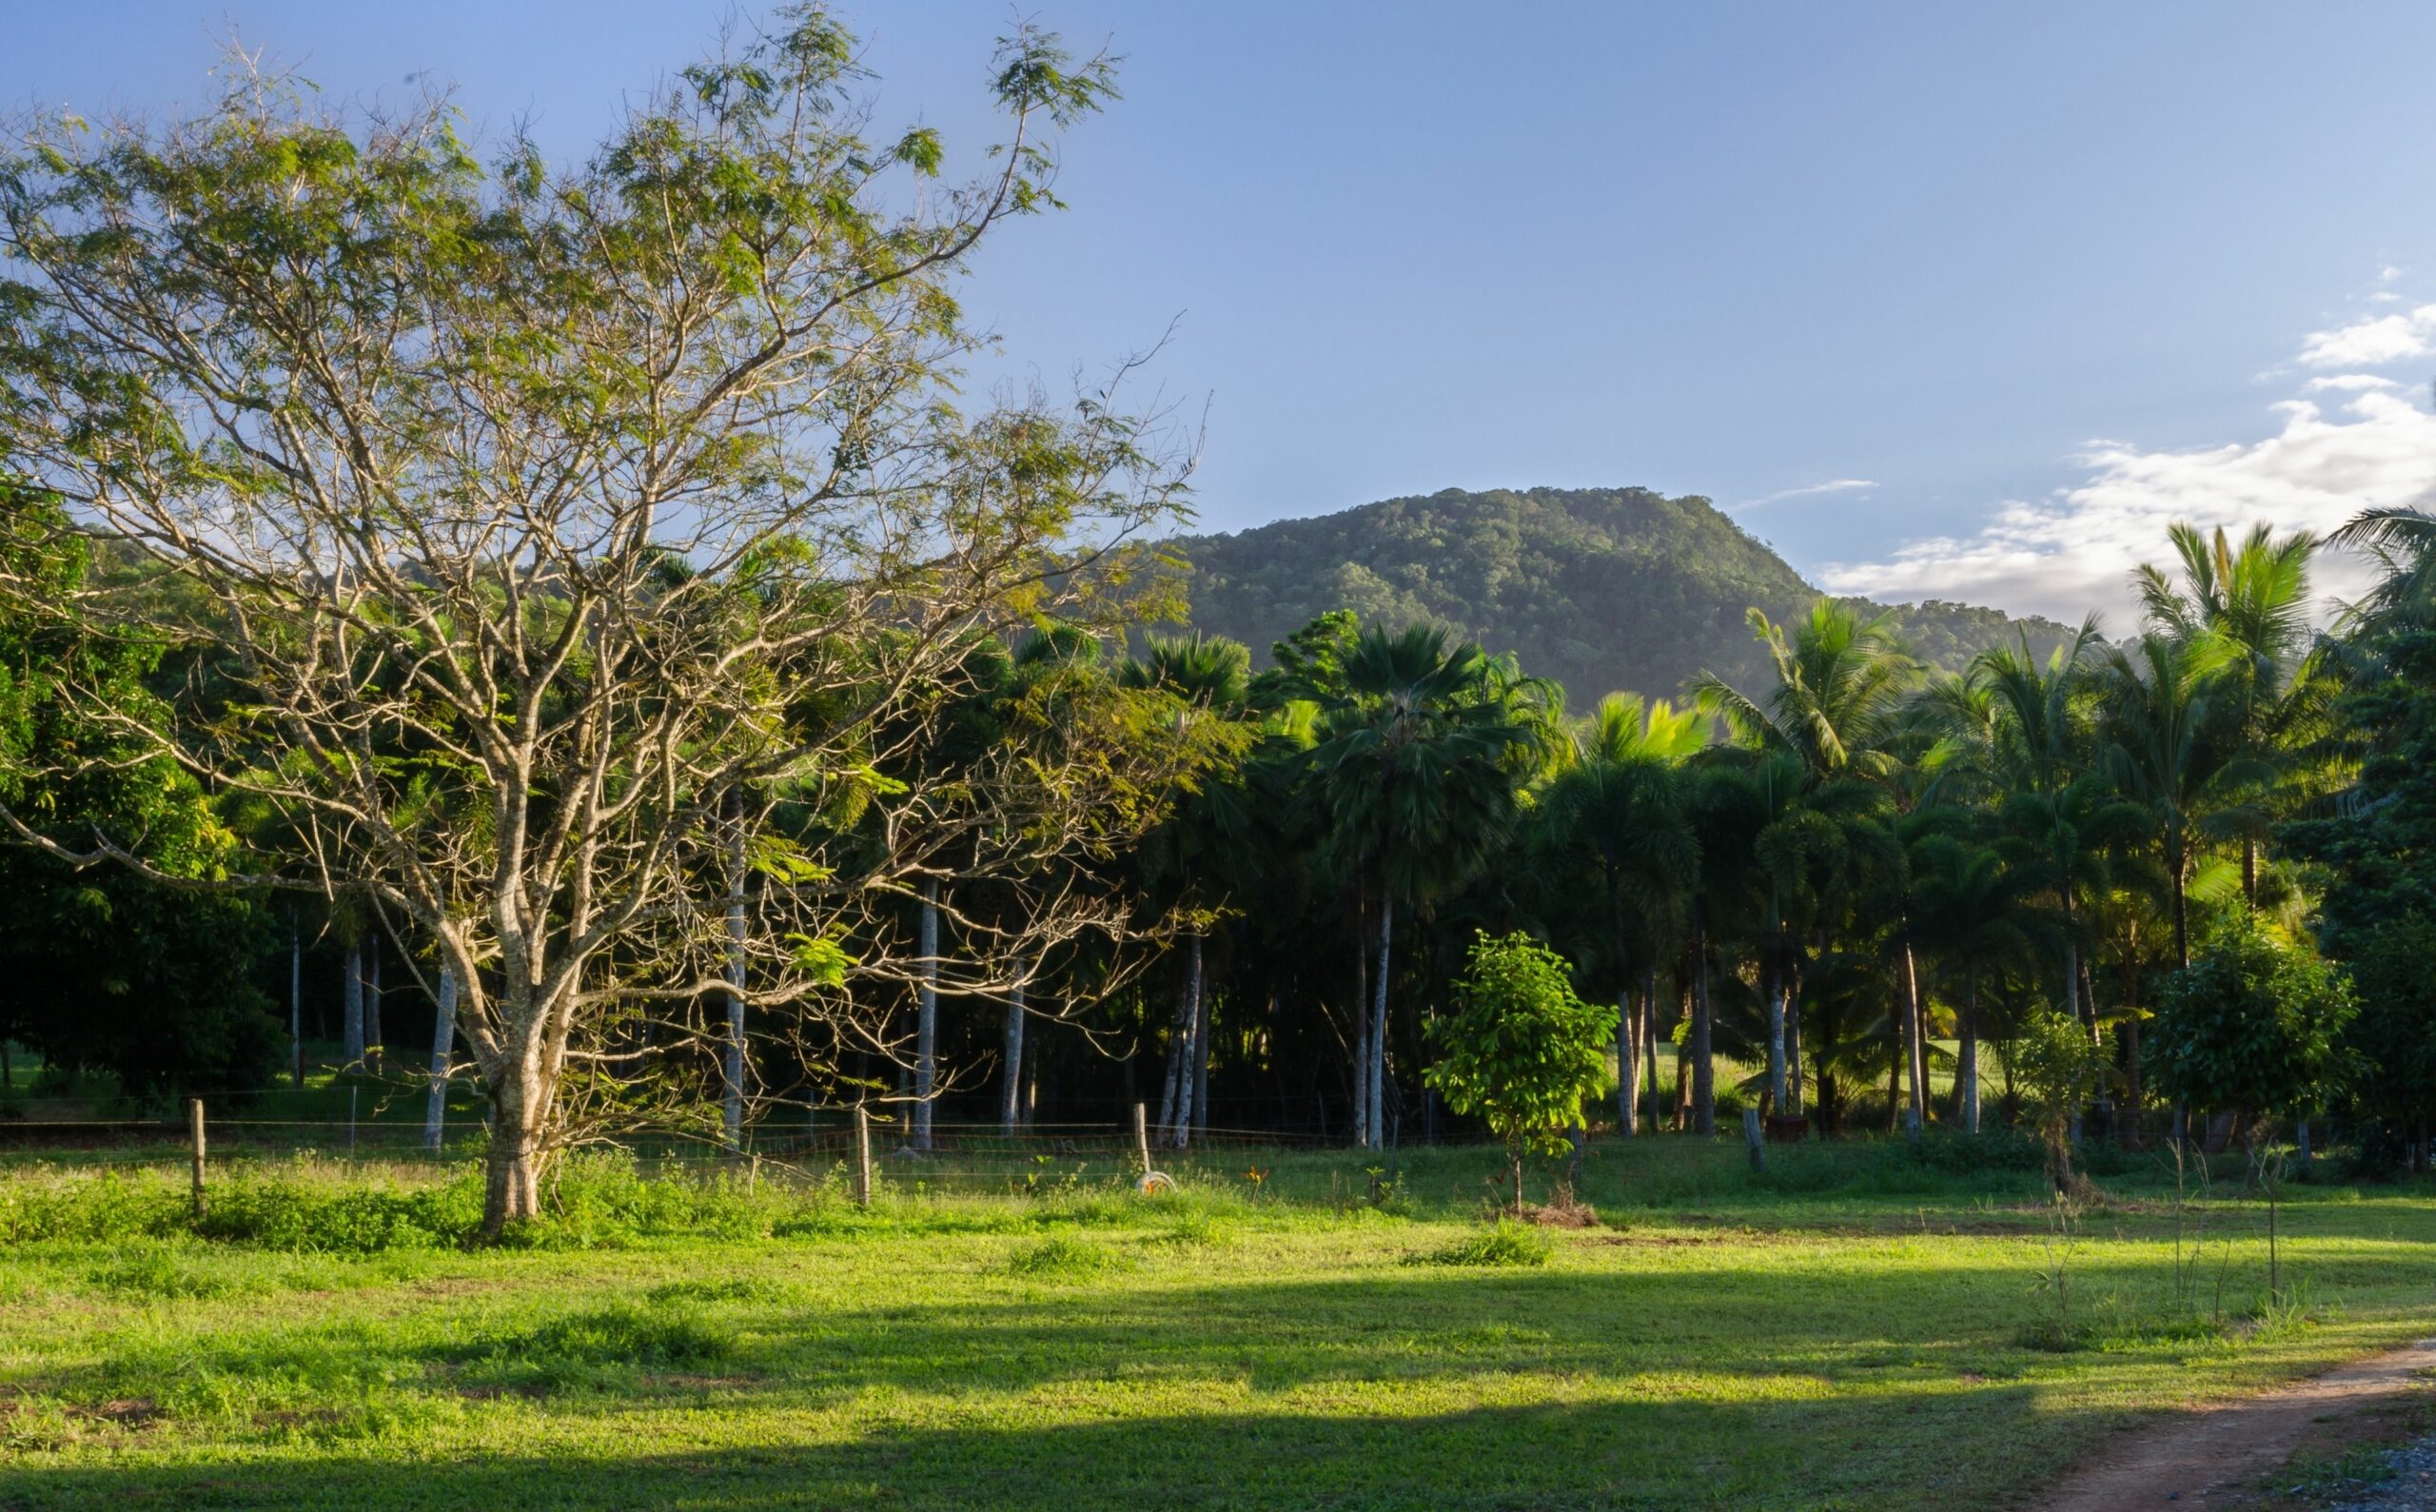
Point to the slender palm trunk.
(926, 1027)
(1361, 1030)
(295, 998)
(372, 1036)
(1703, 1062)
(444, 1049)
(1171, 1078)
(1916, 1049)
(732, 1057)
(1772, 978)
(1189, 1049)
(1649, 1042)
(351, 1050)
(1967, 1071)
(1379, 1024)
(2181, 919)
(1627, 1068)
(1011, 1101)
(1789, 982)
(1202, 1008)
(2250, 871)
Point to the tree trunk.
(1011, 1103)
(2181, 922)
(732, 1057)
(1188, 1051)
(1172, 1074)
(1627, 1068)
(351, 1050)
(1649, 1042)
(2071, 960)
(1793, 1045)
(2250, 871)
(926, 1027)
(373, 1041)
(1703, 1065)
(1771, 982)
(295, 997)
(1360, 1031)
(512, 1190)
(444, 1049)
(1378, 1026)
(1200, 1043)
(1915, 1053)
(1967, 1072)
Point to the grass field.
(1859, 1327)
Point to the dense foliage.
(1599, 588)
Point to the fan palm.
(1419, 763)
(1617, 810)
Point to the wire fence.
(814, 1146)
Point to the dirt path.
(2208, 1455)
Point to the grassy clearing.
(1895, 1331)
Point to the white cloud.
(2348, 384)
(2075, 551)
(2373, 342)
(1834, 485)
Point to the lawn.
(1859, 1327)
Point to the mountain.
(1600, 588)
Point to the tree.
(1520, 1051)
(1186, 858)
(2057, 1068)
(2254, 601)
(2168, 754)
(1618, 813)
(416, 444)
(1419, 761)
(1835, 713)
(108, 970)
(2255, 1025)
(1966, 907)
(2392, 1041)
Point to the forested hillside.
(1600, 588)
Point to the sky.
(1961, 302)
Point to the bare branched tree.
(551, 545)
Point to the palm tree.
(1835, 713)
(2255, 599)
(2168, 751)
(1210, 679)
(1618, 807)
(1966, 907)
(1417, 766)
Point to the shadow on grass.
(1628, 1453)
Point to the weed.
(1064, 1257)
(713, 1291)
(1506, 1242)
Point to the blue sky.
(1952, 300)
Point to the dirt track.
(2211, 1454)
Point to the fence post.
(1751, 1137)
(350, 1122)
(194, 1127)
(1142, 1137)
(862, 1156)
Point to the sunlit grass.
(1812, 1338)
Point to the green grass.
(1859, 1328)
